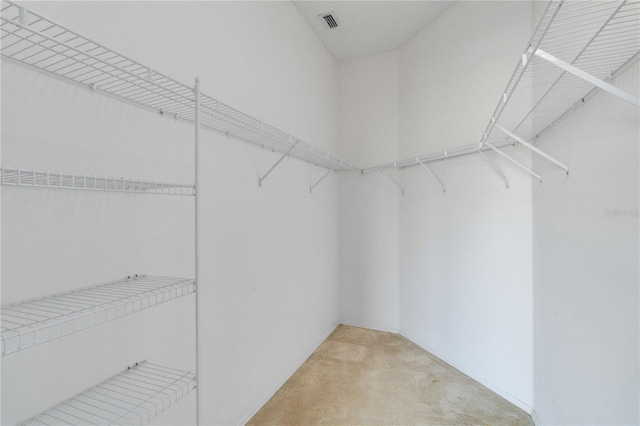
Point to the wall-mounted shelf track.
(29, 323)
(42, 179)
(36, 41)
(133, 397)
(575, 50)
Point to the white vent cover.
(330, 20)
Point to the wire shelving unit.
(575, 50)
(133, 397)
(32, 322)
(38, 42)
(42, 179)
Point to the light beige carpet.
(366, 377)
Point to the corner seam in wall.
(280, 383)
(535, 418)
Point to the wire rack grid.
(597, 37)
(42, 179)
(32, 322)
(133, 397)
(36, 41)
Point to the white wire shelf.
(32, 322)
(133, 397)
(42, 179)
(36, 41)
(599, 38)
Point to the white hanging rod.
(41, 179)
(36, 41)
(133, 397)
(32, 322)
(430, 158)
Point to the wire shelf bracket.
(533, 148)
(424, 166)
(42, 179)
(514, 161)
(36, 321)
(284, 155)
(495, 169)
(133, 397)
(320, 180)
(392, 179)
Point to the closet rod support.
(589, 78)
(514, 161)
(277, 162)
(395, 182)
(424, 166)
(320, 180)
(533, 148)
(494, 168)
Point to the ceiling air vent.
(329, 19)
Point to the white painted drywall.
(586, 275)
(466, 271)
(269, 283)
(465, 256)
(453, 72)
(368, 123)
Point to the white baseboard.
(281, 382)
(469, 372)
(368, 326)
(535, 418)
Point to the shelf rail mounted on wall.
(42, 179)
(38, 42)
(575, 50)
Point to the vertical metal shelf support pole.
(196, 187)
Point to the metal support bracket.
(514, 161)
(495, 169)
(23, 16)
(277, 162)
(589, 78)
(424, 166)
(395, 182)
(533, 148)
(320, 180)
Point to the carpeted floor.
(366, 377)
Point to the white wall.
(368, 123)
(259, 322)
(586, 277)
(465, 255)
(453, 72)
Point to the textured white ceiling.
(369, 27)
